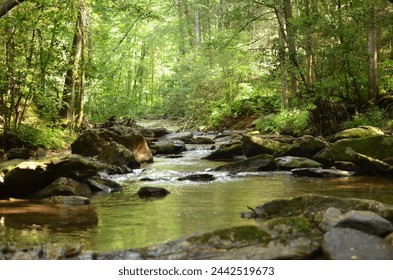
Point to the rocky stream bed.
(307, 226)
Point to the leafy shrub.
(373, 117)
(46, 138)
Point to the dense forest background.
(295, 67)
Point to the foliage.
(373, 117)
(290, 122)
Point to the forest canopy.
(293, 66)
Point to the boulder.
(200, 140)
(321, 172)
(357, 132)
(306, 146)
(378, 147)
(64, 187)
(201, 177)
(117, 154)
(98, 184)
(365, 221)
(168, 147)
(22, 179)
(371, 165)
(346, 165)
(93, 142)
(314, 206)
(352, 244)
(67, 200)
(289, 162)
(255, 145)
(22, 153)
(182, 136)
(152, 192)
(226, 151)
(253, 164)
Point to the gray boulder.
(226, 151)
(290, 162)
(64, 187)
(252, 164)
(321, 172)
(168, 147)
(147, 192)
(352, 244)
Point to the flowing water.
(122, 220)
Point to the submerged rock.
(152, 192)
(321, 172)
(202, 177)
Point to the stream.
(122, 220)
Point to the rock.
(22, 153)
(306, 146)
(289, 162)
(252, 164)
(67, 200)
(182, 136)
(62, 187)
(352, 244)
(73, 166)
(200, 140)
(98, 184)
(371, 165)
(93, 142)
(366, 221)
(168, 147)
(159, 131)
(2, 155)
(226, 151)
(40, 153)
(357, 132)
(22, 179)
(377, 147)
(314, 206)
(254, 145)
(321, 172)
(152, 192)
(330, 218)
(346, 165)
(117, 154)
(198, 177)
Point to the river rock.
(253, 164)
(117, 154)
(255, 145)
(346, 165)
(306, 146)
(66, 200)
(98, 184)
(357, 132)
(20, 179)
(202, 177)
(168, 147)
(321, 172)
(331, 217)
(289, 162)
(182, 136)
(226, 151)
(22, 153)
(314, 206)
(64, 186)
(40, 153)
(200, 140)
(371, 165)
(352, 244)
(366, 221)
(93, 142)
(378, 147)
(152, 192)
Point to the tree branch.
(7, 5)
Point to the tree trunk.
(373, 90)
(308, 44)
(8, 5)
(68, 100)
(282, 60)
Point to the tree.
(7, 5)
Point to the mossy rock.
(226, 151)
(253, 164)
(256, 145)
(357, 132)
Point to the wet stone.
(152, 192)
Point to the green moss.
(291, 224)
